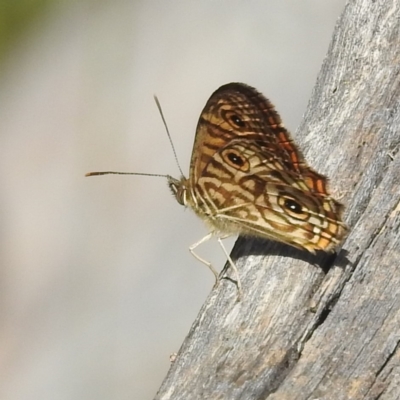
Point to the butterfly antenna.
(123, 173)
(169, 135)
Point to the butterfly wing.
(235, 111)
(248, 177)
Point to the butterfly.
(247, 177)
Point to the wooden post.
(325, 326)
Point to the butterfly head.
(179, 189)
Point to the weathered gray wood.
(300, 333)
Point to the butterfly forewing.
(248, 177)
(236, 111)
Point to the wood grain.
(320, 327)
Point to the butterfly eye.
(236, 120)
(235, 159)
(293, 208)
(233, 119)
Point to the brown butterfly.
(247, 177)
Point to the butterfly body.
(247, 177)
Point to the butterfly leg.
(202, 260)
(233, 266)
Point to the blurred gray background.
(97, 284)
